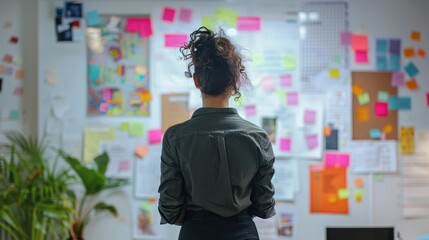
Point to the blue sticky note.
(394, 62)
(411, 69)
(395, 46)
(381, 45)
(423, 237)
(381, 63)
(374, 133)
(399, 103)
(92, 18)
(94, 72)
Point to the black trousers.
(202, 225)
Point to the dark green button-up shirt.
(218, 162)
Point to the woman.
(216, 168)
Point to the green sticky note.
(136, 129)
(208, 22)
(383, 96)
(359, 193)
(257, 57)
(226, 16)
(125, 126)
(364, 98)
(336, 59)
(343, 193)
(289, 62)
(146, 206)
(281, 93)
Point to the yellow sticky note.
(227, 16)
(343, 193)
(257, 57)
(406, 141)
(387, 128)
(357, 90)
(334, 73)
(362, 113)
(208, 22)
(125, 126)
(136, 129)
(364, 99)
(415, 35)
(289, 62)
(359, 195)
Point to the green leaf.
(115, 183)
(102, 162)
(102, 206)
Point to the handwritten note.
(292, 98)
(285, 144)
(168, 14)
(249, 24)
(175, 40)
(312, 141)
(336, 159)
(155, 136)
(381, 109)
(309, 117)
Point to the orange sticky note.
(421, 53)
(141, 151)
(409, 52)
(387, 128)
(415, 35)
(152, 200)
(412, 84)
(327, 131)
(357, 90)
(145, 96)
(359, 183)
(362, 113)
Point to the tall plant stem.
(81, 205)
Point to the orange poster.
(328, 190)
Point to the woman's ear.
(197, 84)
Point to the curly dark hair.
(216, 61)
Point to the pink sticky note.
(292, 98)
(155, 136)
(145, 27)
(285, 144)
(346, 38)
(381, 109)
(175, 40)
(249, 24)
(132, 25)
(107, 94)
(168, 14)
(18, 91)
(361, 57)
(104, 107)
(312, 141)
(427, 99)
(268, 84)
(309, 117)
(123, 165)
(335, 159)
(398, 79)
(359, 42)
(250, 110)
(286, 80)
(185, 15)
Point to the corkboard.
(174, 109)
(373, 82)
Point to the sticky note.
(362, 113)
(358, 195)
(168, 14)
(334, 73)
(381, 46)
(381, 109)
(395, 46)
(309, 117)
(281, 93)
(412, 84)
(406, 140)
(327, 131)
(374, 133)
(268, 84)
(208, 22)
(411, 70)
(359, 42)
(312, 141)
(383, 96)
(227, 16)
(132, 25)
(92, 18)
(286, 80)
(394, 62)
(415, 36)
(155, 136)
(250, 110)
(359, 183)
(292, 98)
(336, 160)
(398, 79)
(257, 57)
(357, 90)
(364, 98)
(175, 40)
(145, 27)
(343, 193)
(249, 24)
(141, 151)
(399, 103)
(387, 129)
(361, 56)
(409, 52)
(381, 63)
(421, 53)
(19, 74)
(124, 126)
(136, 129)
(104, 107)
(289, 62)
(346, 38)
(285, 144)
(185, 15)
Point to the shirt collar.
(209, 110)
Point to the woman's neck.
(220, 101)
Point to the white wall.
(380, 18)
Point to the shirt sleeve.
(263, 189)
(171, 192)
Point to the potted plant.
(34, 204)
(94, 181)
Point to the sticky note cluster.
(388, 54)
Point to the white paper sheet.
(373, 156)
(148, 173)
